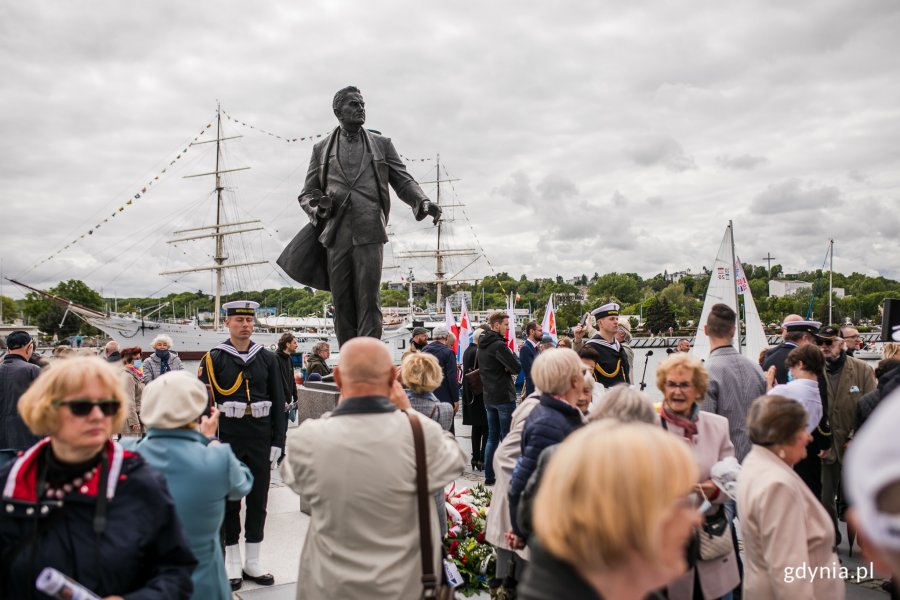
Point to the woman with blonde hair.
(783, 523)
(70, 500)
(162, 360)
(559, 376)
(683, 380)
(613, 516)
(421, 374)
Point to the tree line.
(659, 302)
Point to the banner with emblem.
(740, 280)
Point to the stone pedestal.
(315, 399)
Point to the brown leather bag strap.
(429, 580)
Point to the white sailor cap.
(872, 463)
(807, 326)
(607, 310)
(240, 307)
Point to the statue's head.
(349, 107)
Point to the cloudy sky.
(584, 136)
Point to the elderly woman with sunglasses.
(683, 381)
(78, 502)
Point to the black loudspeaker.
(890, 323)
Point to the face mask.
(790, 376)
(138, 363)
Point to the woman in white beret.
(201, 471)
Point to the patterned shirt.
(735, 382)
(428, 405)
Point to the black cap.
(419, 331)
(828, 332)
(18, 339)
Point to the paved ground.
(286, 528)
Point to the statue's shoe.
(267, 579)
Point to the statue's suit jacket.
(304, 258)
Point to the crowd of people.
(131, 476)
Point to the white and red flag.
(549, 323)
(450, 320)
(466, 331)
(511, 333)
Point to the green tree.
(10, 309)
(659, 315)
(623, 287)
(50, 316)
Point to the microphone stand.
(644, 376)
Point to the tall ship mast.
(440, 253)
(220, 229)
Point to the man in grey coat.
(347, 200)
(16, 376)
(735, 381)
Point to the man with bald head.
(357, 469)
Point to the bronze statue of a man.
(347, 200)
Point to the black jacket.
(16, 375)
(448, 391)
(887, 383)
(548, 424)
(142, 555)
(472, 404)
(286, 367)
(498, 366)
(262, 381)
(548, 578)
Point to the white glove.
(234, 410)
(274, 455)
(261, 409)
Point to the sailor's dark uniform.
(247, 378)
(612, 369)
(775, 358)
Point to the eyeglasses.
(82, 408)
(824, 342)
(851, 337)
(674, 385)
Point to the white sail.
(755, 340)
(720, 290)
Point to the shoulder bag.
(433, 588)
(473, 378)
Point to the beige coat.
(784, 527)
(710, 445)
(505, 458)
(855, 381)
(134, 389)
(357, 469)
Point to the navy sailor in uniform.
(612, 369)
(795, 331)
(245, 382)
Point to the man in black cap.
(612, 368)
(419, 338)
(795, 331)
(847, 380)
(16, 375)
(246, 383)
